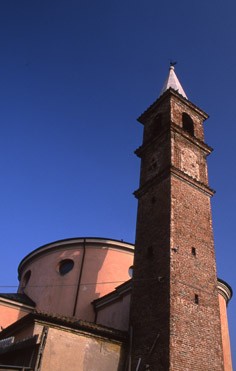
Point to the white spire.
(173, 82)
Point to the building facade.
(101, 304)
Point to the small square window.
(194, 252)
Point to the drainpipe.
(80, 276)
(42, 344)
(130, 347)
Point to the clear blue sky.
(74, 75)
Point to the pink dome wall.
(225, 294)
(100, 265)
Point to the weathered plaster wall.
(66, 350)
(115, 314)
(10, 313)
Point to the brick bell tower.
(175, 315)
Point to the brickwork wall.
(194, 326)
(151, 122)
(175, 310)
(189, 158)
(178, 108)
(157, 156)
(150, 315)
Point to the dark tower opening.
(188, 124)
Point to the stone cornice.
(171, 170)
(174, 129)
(194, 182)
(170, 93)
(16, 305)
(151, 182)
(63, 323)
(199, 143)
(225, 290)
(140, 150)
(71, 243)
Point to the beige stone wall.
(66, 350)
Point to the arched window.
(26, 278)
(188, 124)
